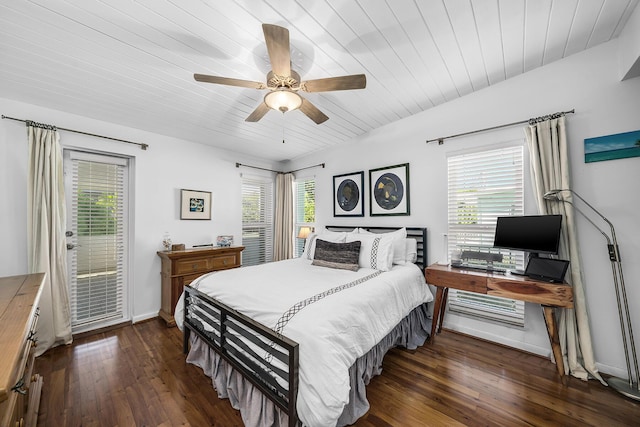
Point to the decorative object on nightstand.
(179, 268)
(224, 241)
(631, 387)
(166, 241)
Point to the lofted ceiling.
(131, 62)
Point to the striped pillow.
(337, 255)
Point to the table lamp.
(304, 232)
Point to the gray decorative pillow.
(337, 255)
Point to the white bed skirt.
(258, 411)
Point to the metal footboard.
(267, 359)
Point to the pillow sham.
(411, 248)
(376, 250)
(329, 236)
(343, 256)
(399, 236)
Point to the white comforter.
(332, 332)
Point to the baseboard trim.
(530, 349)
(144, 317)
(519, 345)
(100, 330)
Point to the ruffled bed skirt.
(256, 410)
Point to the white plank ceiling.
(131, 62)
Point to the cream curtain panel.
(283, 242)
(548, 149)
(46, 222)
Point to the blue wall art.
(612, 147)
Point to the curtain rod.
(142, 146)
(530, 121)
(271, 170)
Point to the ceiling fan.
(284, 84)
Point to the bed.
(300, 349)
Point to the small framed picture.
(195, 204)
(389, 190)
(348, 194)
(224, 241)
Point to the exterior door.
(96, 187)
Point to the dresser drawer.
(226, 261)
(193, 265)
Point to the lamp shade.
(304, 232)
(283, 99)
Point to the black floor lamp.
(630, 388)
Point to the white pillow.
(411, 247)
(329, 236)
(376, 250)
(399, 250)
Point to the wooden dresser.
(19, 387)
(179, 268)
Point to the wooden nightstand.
(179, 268)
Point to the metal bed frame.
(226, 331)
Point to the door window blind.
(481, 187)
(257, 220)
(98, 223)
(305, 209)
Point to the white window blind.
(257, 220)
(305, 208)
(98, 221)
(481, 187)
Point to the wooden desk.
(522, 288)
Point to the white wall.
(629, 47)
(160, 172)
(588, 82)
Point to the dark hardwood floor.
(137, 376)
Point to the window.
(257, 220)
(305, 209)
(482, 186)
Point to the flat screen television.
(532, 233)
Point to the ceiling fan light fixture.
(283, 99)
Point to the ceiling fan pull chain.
(284, 123)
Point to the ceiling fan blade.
(312, 112)
(277, 39)
(356, 81)
(229, 82)
(258, 113)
